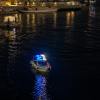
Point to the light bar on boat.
(40, 57)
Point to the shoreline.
(47, 7)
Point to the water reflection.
(12, 48)
(70, 18)
(11, 18)
(92, 11)
(55, 19)
(28, 21)
(40, 92)
(31, 21)
(12, 53)
(92, 16)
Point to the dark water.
(71, 41)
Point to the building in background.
(19, 2)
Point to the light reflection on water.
(11, 18)
(12, 51)
(92, 11)
(40, 91)
(70, 18)
(33, 19)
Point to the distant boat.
(38, 10)
(40, 64)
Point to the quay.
(40, 7)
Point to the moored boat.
(38, 10)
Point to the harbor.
(40, 7)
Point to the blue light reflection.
(40, 92)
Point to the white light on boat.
(44, 57)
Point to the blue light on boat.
(40, 57)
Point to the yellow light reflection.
(11, 35)
(70, 18)
(55, 19)
(16, 18)
(28, 18)
(72, 14)
(11, 18)
(33, 19)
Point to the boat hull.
(38, 11)
(40, 69)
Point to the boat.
(38, 10)
(70, 6)
(40, 64)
